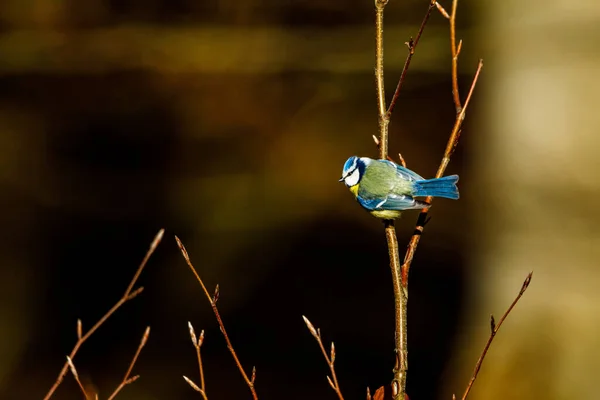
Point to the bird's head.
(354, 169)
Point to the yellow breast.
(354, 190)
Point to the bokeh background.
(227, 123)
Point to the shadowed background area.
(227, 123)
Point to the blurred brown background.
(227, 123)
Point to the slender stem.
(128, 295)
(451, 145)
(335, 385)
(202, 383)
(316, 333)
(126, 379)
(213, 303)
(455, 134)
(383, 117)
(412, 44)
(401, 307)
(455, 52)
(494, 330)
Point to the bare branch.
(128, 295)
(400, 292)
(495, 329)
(127, 379)
(76, 375)
(213, 303)
(450, 147)
(383, 119)
(411, 44)
(316, 333)
(197, 342)
(195, 387)
(455, 52)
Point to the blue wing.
(405, 173)
(391, 202)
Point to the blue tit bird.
(385, 189)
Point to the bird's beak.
(341, 179)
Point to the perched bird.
(386, 189)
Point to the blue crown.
(350, 164)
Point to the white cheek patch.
(353, 178)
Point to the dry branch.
(128, 295)
(450, 147)
(400, 291)
(127, 379)
(494, 329)
(197, 342)
(333, 381)
(400, 272)
(213, 303)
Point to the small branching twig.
(197, 342)
(87, 394)
(455, 50)
(195, 387)
(127, 379)
(333, 382)
(128, 295)
(213, 303)
(494, 328)
(400, 158)
(452, 140)
(450, 147)
(411, 44)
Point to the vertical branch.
(197, 342)
(455, 52)
(400, 300)
(383, 117)
(401, 308)
(400, 272)
(400, 289)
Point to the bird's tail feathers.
(437, 187)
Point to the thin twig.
(455, 52)
(333, 381)
(400, 158)
(195, 387)
(494, 329)
(411, 44)
(128, 295)
(384, 120)
(127, 379)
(76, 376)
(452, 142)
(213, 304)
(197, 342)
